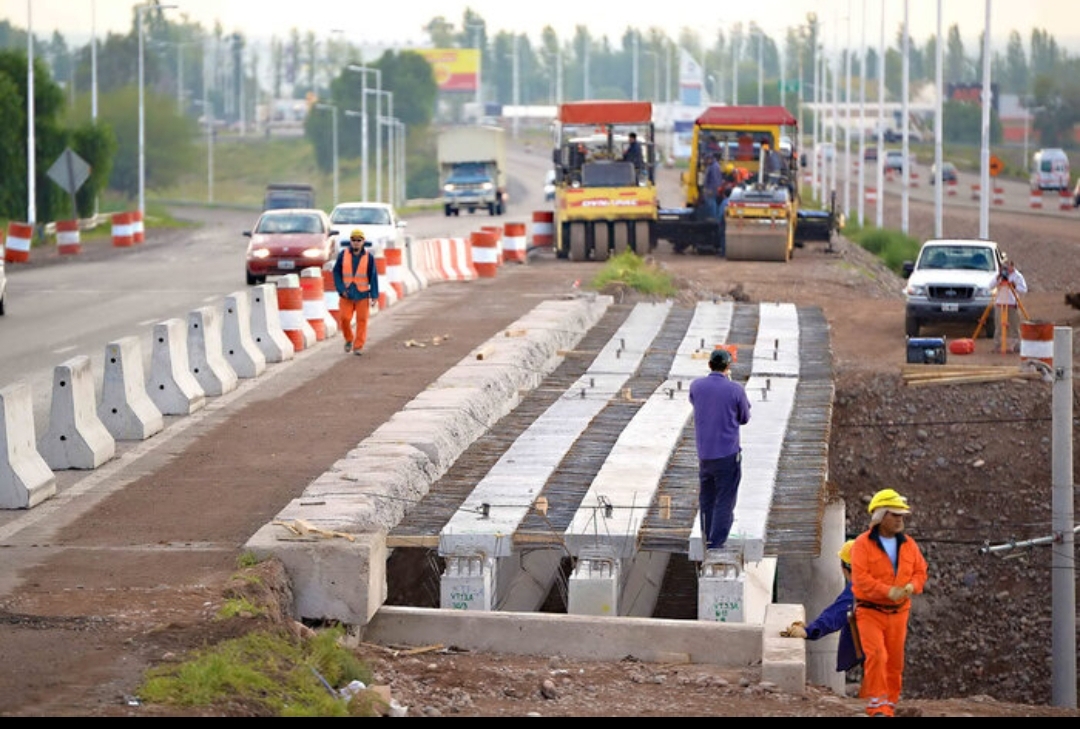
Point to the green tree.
(12, 149)
(1016, 67)
(407, 75)
(963, 123)
(49, 138)
(957, 68)
(170, 139)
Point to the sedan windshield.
(368, 216)
(289, 224)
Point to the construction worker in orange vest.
(356, 279)
(887, 568)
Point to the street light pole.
(31, 186)
(760, 68)
(379, 93)
(354, 113)
(363, 71)
(142, 105)
(333, 110)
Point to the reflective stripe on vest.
(355, 275)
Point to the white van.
(1050, 170)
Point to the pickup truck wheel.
(990, 327)
(449, 211)
(911, 325)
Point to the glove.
(897, 593)
(909, 589)
(795, 630)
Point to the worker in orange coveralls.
(887, 568)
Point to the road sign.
(996, 165)
(790, 86)
(69, 171)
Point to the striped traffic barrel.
(138, 232)
(485, 253)
(290, 301)
(17, 249)
(67, 237)
(1037, 341)
(394, 272)
(497, 231)
(330, 294)
(122, 234)
(314, 305)
(514, 246)
(543, 229)
(387, 296)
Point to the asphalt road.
(62, 308)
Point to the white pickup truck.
(953, 280)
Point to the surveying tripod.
(1004, 324)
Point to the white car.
(378, 220)
(549, 186)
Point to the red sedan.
(288, 241)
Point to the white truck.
(953, 280)
(472, 169)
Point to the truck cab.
(952, 280)
(469, 186)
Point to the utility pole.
(880, 211)
(905, 175)
(984, 165)
(1063, 564)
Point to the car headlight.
(985, 291)
(487, 186)
(914, 290)
(448, 187)
(260, 253)
(314, 253)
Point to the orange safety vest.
(351, 274)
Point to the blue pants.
(719, 480)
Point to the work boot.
(348, 347)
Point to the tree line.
(194, 74)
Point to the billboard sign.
(455, 69)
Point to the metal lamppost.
(142, 105)
(656, 75)
(391, 155)
(358, 115)
(760, 68)
(363, 71)
(333, 110)
(378, 137)
(31, 186)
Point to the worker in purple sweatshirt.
(720, 409)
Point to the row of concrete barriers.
(207, 356)
(128, 229)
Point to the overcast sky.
(402, 22)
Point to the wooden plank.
(427, 541)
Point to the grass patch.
(628, 270)
(266, 674)
(891, 246)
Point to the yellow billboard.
(455, 69)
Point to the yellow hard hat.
(356, 234)
(729, 168)
(891, 500)
(845, 552)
